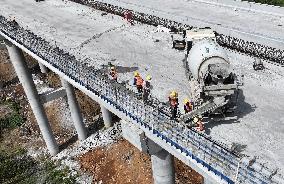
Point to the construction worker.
(13, 20)
(138, 81)
(199, 123)
(188, 107)
(128, 16)
(113, 73)
(173, 100)
(146, 87)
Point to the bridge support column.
(75, 110)
(207, 181)
(163, 167)
(43, 68)
(25, 77)
(107, 117)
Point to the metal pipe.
(25, 77)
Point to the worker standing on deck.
(113, 73)
(138, 81)
(188, 106)
(173, 100)
(146, 87)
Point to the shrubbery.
(13, 119)
(272, 2)
(17, 167)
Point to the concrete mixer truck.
(213, 84)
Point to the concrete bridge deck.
(84, 32)
(230, 20)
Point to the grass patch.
(17, 167)
(12, 119)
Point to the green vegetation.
(17, 167)
(13, 119)
(272, 2)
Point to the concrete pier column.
(107, 117)
(43, 68)
(208, 181)
(163, 167)
(25, 77)
(75, 110)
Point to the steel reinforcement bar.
(253, 49)
(212, 155)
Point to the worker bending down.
(146, 88)
(173, 100)
(138, 81)
(199, 123)
(113, 73)
(188, 105)
(128, 16)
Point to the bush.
(17, 167)
(272, 2)
(13, 119)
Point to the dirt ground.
(122, 163)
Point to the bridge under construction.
(77, 42)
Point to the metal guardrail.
(211, 154)
(237, 44)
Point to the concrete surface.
(137, 137)
(259, 124)
(247, 6)
(249, 25)
(52, 95)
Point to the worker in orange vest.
(138, 81)
(188, 106)
(146, 87)
(113, 73)
(173, 100)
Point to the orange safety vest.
(188, 107)
(200, 126)
(139, 81)
(173, 101)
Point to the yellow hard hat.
(173, 94)
(136, 74)
(186, 100)
(195, 119)
(149, 77)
